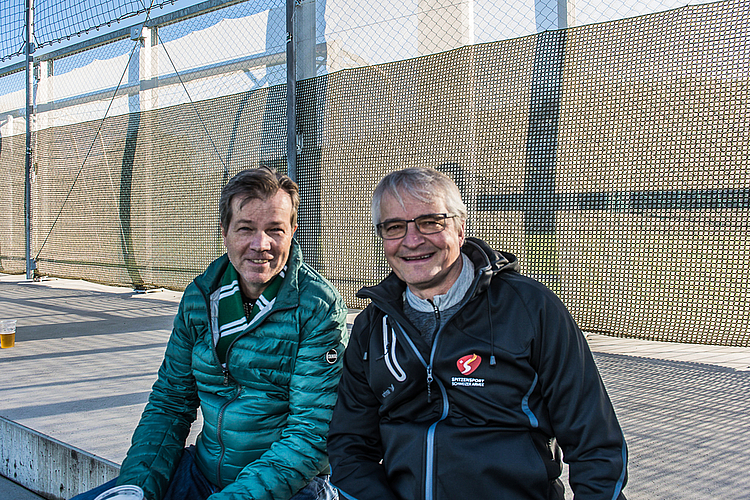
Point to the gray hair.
(423, 184)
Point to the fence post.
(291, 91)
(310, 93)
(138, 67)
(44, 82)
(304, 31)
(30, 265)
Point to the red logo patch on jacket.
(468, 364)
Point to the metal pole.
(291, 91)
(30, 265)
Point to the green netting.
(612, 159)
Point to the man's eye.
(394, 227)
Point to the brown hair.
(256, 183)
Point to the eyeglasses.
(426, 224)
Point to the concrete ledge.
(48, 467)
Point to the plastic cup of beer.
(7, 333)
(124, 492)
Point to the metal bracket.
(136, 33)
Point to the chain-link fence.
(606, 146)
(55, 20)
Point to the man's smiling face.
(428, 263)
(259, 239)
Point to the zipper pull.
(429, 384)
(226, 376)
(437, 321)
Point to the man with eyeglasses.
(463, 378)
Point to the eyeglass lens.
(426, 224)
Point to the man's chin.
(255, 276)
(418, 281)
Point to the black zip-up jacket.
(480, 412)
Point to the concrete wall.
(48, 467)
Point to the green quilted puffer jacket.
(265, 419)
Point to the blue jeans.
(188, 483)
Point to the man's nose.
(260, 241)
(412, 237)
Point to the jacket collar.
(487, 263)
(288, 295)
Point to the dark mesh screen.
(612, 159)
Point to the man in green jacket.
(257, 344)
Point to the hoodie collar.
(451, 297)
(487, 262)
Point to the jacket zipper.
(219, 421)
(429, 465)
(224, 369)
(429, 479)
(429, 367)
(227, 378)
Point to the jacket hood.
(487, 263)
